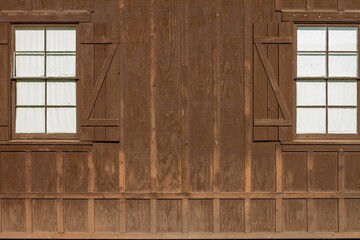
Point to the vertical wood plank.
(340, 5)
(28, 185)
(247, 215)
(152, 87)
(310, 167)
(342, 214)
(59, 189)
(122, 216)
(60, 215)
(341, 189)
(28, 207)
(216, 79)
(91, 178)
(0, 208)
(216, 213)
(279, 215)
(153, 214)
(185, 215)
(279, 168)
(310, 214)
(91, 215)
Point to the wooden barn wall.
(184, 162)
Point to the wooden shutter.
(99, 81)
(274, 86)
(4, 82)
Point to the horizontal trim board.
(274, 40)
(3, 122)
(41, 17)
(320, 16)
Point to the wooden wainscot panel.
(44, 215)
(322, 5)
(14, 5)
(106, 167)
(75, 172)
(263, 167)
(325, 176)
(169, 215)
(263, 215)
(74, 4)
(294, 171)
(46, 5)
(325, 215)
(294, 215)
(107, 215)
(200, 215)
(293, 5)
(351, 171)
(349, 5)
(232, 215)
(352, 213)
(13, 215)
(137, 215)
(13, 171)
(75, 215)
(43, 171)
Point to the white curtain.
(311, 120)
(61, 39)
(61, 93)
(311, 39)
(343, 38)
(29, 39)
(30, 93)
(30, 120)
(342, 120)
(61, 120)
(311, 93)
(311, 65)
(61, 65)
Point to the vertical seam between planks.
(216, 77)
(153, 147)
(216, 214)
(91, 188)
(122, 216)
(185, 215)
(279, 202)
(153, 209)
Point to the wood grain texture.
(293, 5)
(44, 215)
(231, 84)
(263, 215)
(294, 172)
(106, 166)
(137, 125)
(46, 5)
(168, 216)
(232, 215)
(325, 171)
(74, 4)
(75, 172)
(200, 86)
(263, 167)
(352, 213)
(75, 215)
(200, 216)
(43, 172)
(4, 84)
(107, 215)
(14, 5)
(325, 215)
(137, 215)
(168, 96)
(13, 215)
(351, 171)
(316, 5)
(13, 164)
(294, 215)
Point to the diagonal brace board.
(99, 82)
(272, 78)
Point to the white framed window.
(327, 80)
(44, 70)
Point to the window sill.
(321, 142)
(46, 145)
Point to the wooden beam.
(320, 16)
(99, 40)
(48, 17)
(272, 122)
(274, 40)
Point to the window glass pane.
(61, 65)
(311, 120)
(311, 39)
(61, 120)
(343, 38)
(29, 65)
(30, 120)
(30, 93)
(343, 65)
(29, 39)
(311, 93)
(342, 93)
(60, 39)
(61, 93)
(342, 120)
(311, 65)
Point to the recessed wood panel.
(232, 215)
(322, 5)
(294, 215)
(75, 215)
(349, 5)
(351, 171)
(43, 171)
(137, 215)
(14, 5)
(75, 172)
(13, 215)
(13, 171)
(263, 167)
(169, 215)
(106, 167)
(294, 171)
(325, 171)
(263, 215)
(231, 98)
(107, 215)
(46, 5)
(293, 5)
(44, 215)
(325, 215)
(352, 213)
(200, 215)
(74, 4)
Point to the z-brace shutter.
(274, 88)
(4, 82)
(97, 67)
